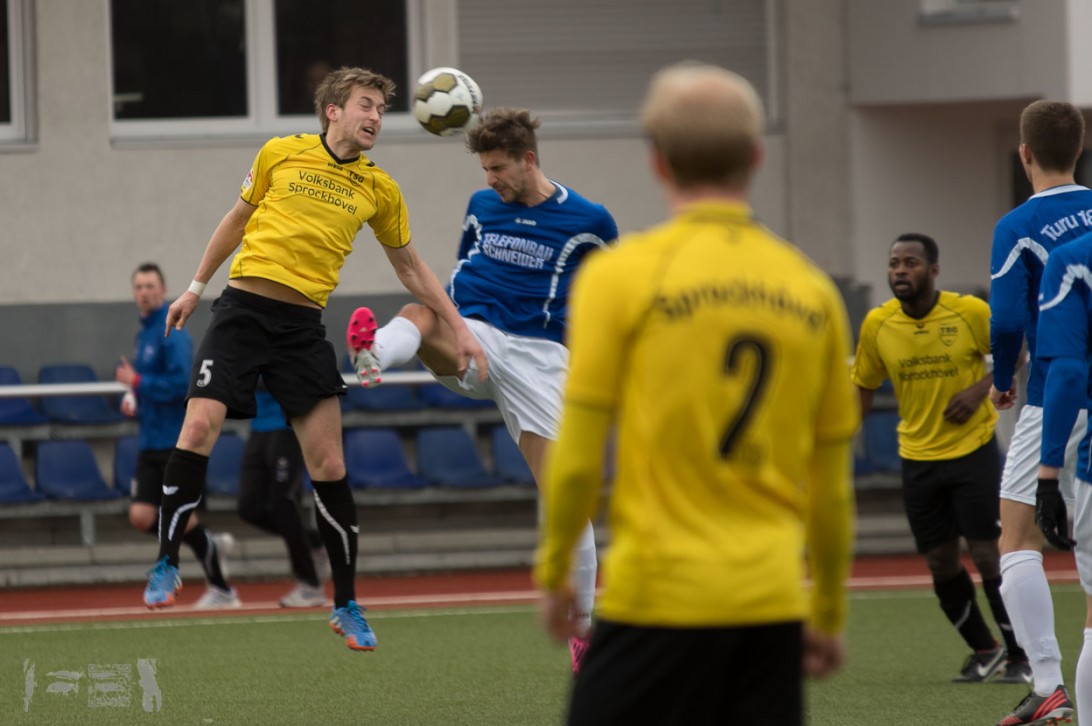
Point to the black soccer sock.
(992, 588)
(208, 554)
(957, 600)
(337, 523)
(183, 488)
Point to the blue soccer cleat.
(164, 583)
(349, 621)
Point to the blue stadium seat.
(16, 411)
(447, 456)
(225, 463)
(881, 443)
(68, 470)
(375, 459)
(14, 488)
(439, 396)
(75, 409)
(126, 452)
(384, 398)
(508, 461)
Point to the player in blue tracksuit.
(1059, 211)
(159, 377)
(523, 240)
(1065, 346)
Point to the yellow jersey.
(929, 361)
(722, 351)
(310, 207)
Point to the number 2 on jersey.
(738, 348)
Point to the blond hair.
(338, 85)
(706, 122)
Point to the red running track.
(457, 589)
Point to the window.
(5, 65)
(14, 68)
(179, 60)
(592, 60)
(223, 67)
(968, 12)
(309, 45)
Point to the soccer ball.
(446, 101)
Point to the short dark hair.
(932, 252)
(149, 267)
(1054, 131)
(512, 130)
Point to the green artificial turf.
(478, 666)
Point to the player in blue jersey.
(1065, 334)
(1059, 211)
(523, 240)
(158, 378)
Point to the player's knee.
(201, 426)
(420, 315)
(142, 518)
(943, 563)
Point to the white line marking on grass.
(231, 619)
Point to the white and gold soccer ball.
(446, 101)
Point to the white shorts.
(1020, 477)
(1082, 532)
(526, 379)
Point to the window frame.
(262, 118)
(20, 27)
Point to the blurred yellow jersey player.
(725, 351)
(929, 360)
(720, 354)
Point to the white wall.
(80, 212)
(895, 58)
(941, 171)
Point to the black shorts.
(642, 675)
(953, 497)
(253, 336)
(147, 484)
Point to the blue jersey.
(516, 262)
(270, 416)
(164, 366)
(1065, 333)
(1022, 241)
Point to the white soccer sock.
(396, 343)
(1083, 696)
(1026, 593)
(583, 579)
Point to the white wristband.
(197, 288)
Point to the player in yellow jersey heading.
(302, 204)
(932, 345)
(719, 351)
